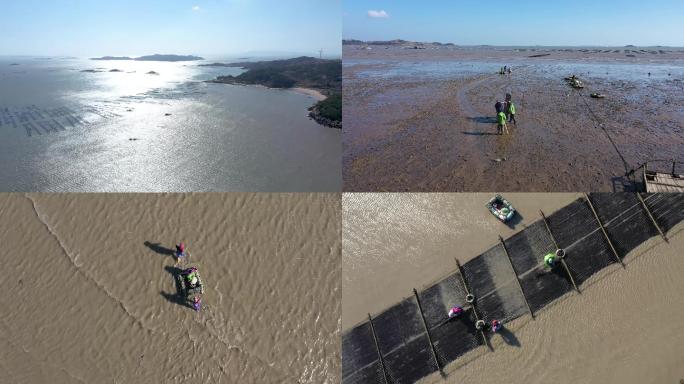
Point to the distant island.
(156, 57)
(399, 43)
(324, 76)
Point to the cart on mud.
(574, 82)
(191, 286)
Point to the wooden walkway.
(663, 182)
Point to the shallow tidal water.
(90, 294)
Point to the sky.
(534, 22)
(85, 28)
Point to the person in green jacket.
(501, 126)
(550, 260)
(511, 112)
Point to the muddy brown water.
(424, 121)
(89, 297)
(622, 328)
(395, 242)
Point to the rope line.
(603, 128)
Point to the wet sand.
(623, 328)
(423, 120)
(89, 297)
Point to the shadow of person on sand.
(160, 249)
(476, 133)
(178, 297)
(483, 119)
(508, 337)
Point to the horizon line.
(517, 45)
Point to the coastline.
(309, 92)
(314, 113)
(316, 94)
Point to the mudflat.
(424, 119)
(90, 297)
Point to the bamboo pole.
(467, 289)
(643, 204)
(377, 348)
(565, 265)
(603, 229)
(427, 332)
(517, 279)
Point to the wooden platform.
(663, 182)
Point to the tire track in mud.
(487, 149)
(150, 331)
(462, 97)
(78, 269)
(477, 147)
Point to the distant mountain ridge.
(397, 42)
(155, 57)
(308, 72)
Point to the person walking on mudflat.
(501, 126)
(510, 111)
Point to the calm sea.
(69, 124)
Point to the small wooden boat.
(597, 95)
(501, 208)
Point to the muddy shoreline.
(416, 121)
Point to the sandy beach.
(620, 329)
(89, 294)
(424, 120)
(310, 92)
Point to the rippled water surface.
(84, 125)
(91, 295)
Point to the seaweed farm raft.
(415, 337)
(38, 121)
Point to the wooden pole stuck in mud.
(467, 289)
(565, 265)
(427, 332)
(517, 279)
(655, 224)
(603, 229)
(377, 348)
